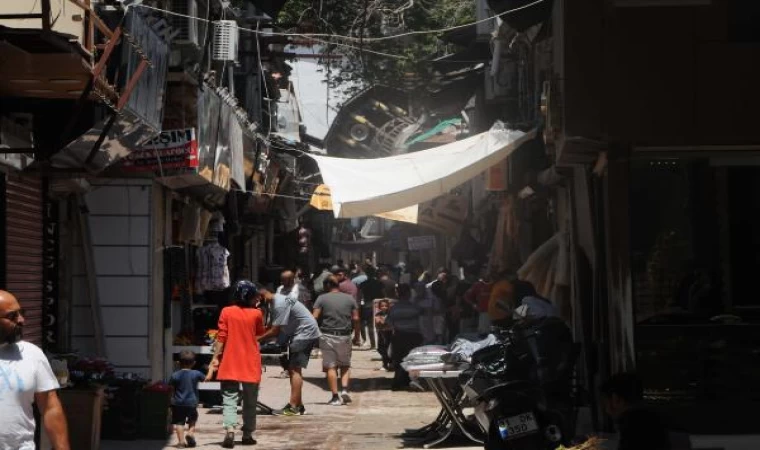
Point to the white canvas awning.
(364, 187)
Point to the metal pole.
(101, 138)
(92, 280)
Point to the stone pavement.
(372, 422)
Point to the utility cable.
(370, 39)
(274, 33)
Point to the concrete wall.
(121, 234)
(65, 16)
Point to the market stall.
(196, 283)
(451, 423)
(198, 287)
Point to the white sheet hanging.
(363, 187)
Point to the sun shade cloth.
(364, 187)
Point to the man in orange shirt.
(238, 349)
(501, 302)
(478, 296)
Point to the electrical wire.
(371, 39)
(158, 159)
(361, 49)
(206, 29)
(224, 64)
(295, 197)
(274, 33)
(306, 183)
(264, 79)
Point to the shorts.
(336, 351)
(184, 414)
(300, 353)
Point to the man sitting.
(639, 426)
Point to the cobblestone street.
(373, 421)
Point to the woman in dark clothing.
(404, 318)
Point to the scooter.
(521, 387)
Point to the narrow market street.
(373, 421)
(541, 210)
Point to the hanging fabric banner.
(363, 187)
(409, 214)
(322, 200)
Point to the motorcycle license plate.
(512, 427)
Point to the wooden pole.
(131, 84)
(98, 22)
(90, 24)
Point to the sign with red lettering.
(172, 149)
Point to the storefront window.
(695, 249)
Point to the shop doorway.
(695, 249)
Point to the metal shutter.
(23, 233)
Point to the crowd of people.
(285, 316)
(387, 309)
(352, 307)
(401, 308)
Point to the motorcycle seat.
(513, 385)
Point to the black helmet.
(244, 292)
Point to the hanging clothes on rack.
(213, 272)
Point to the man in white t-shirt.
(289, 288)
(25, 378)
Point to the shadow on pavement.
(131, 445)
(357, 384)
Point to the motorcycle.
(521, 388)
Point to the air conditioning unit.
(225, 40)
(190, 31)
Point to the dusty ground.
(372, 422)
